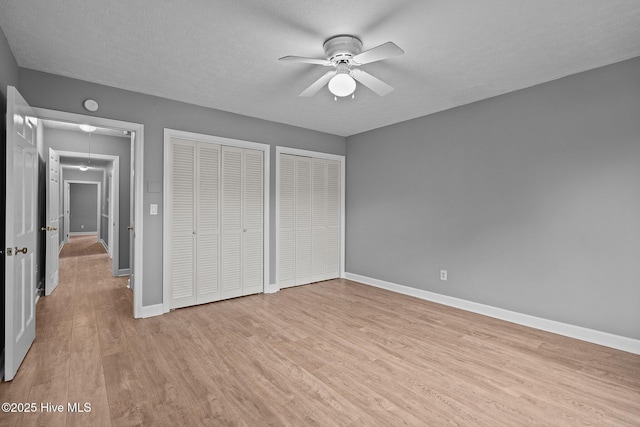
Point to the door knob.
(129, 228)
(44, 228)
(23, 250)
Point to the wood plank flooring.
(336, 353)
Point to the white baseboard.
(104, 244)
(151, 310)
(630, 345)
(271, 289)
(83, 233)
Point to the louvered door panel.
(252, 263)
(319, 193)
(287, 192)
(318, 254)
(287, 259)
(231, 265)
(252, 190)
(287, 216)
(231, 250)
(333, 253)
(252, 209)
(318, 219)
(333, 193)
(334, 198)
(303, 221)
(208, 228)
(182, 223)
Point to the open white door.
(53, 222)
(21, 231)
(132, 218)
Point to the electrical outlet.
(82, 227)
(443, 275)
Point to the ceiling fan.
(344, 54)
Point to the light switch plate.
(154, 209)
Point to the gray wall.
(83, 208)
(8, 76)
(65, 140)
(65, 94)
(530, 200)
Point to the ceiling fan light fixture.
(342, 84)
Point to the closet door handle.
(23, 250)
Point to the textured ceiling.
(223, 54)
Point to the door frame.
(138, 169)
(317, 155)
(166, 234)
(114, 221)
(67, 204)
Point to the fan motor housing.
(342, 48)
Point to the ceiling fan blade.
(373, 83)
(318, 84)
(384, 51)
(305, 60)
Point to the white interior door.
(287, 221)
(231, 254)
(318, 220)
(252, 208)
(303, 221)
(53, 222)
(21, 231)
(132, 218)
(182, 223)
(208, 223)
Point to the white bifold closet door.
(309, 237)
(242, 190)
(215, 222)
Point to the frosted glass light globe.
(342, 85)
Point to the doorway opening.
(119, 220)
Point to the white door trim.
(138, 167)
(318, 155)
(67, 186)
(114, 222)
(166, 235)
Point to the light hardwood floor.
(336, 353)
